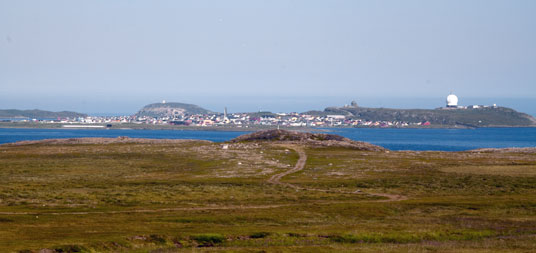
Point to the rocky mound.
(330, 140)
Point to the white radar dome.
(452, 100)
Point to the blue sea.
(391, 138)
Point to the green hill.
(477, 117)
(12, 113)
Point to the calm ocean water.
(443, 139)
(394, 139)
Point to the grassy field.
(200, 197)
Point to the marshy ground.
(130, 196)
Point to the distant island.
(173, 115)
(39, 114)
(470, 117)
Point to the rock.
(315, 139)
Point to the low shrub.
(291, 234)
(5, 220)
(376, 238)
(156, 239)
(259, 235)
(70, 249)
(208, 239)
(411, 237)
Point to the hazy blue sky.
(116, 56)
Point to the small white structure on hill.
(452, 101)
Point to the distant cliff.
(38, 114)
(470, 117)
(170, 110)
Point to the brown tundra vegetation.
(274, 191)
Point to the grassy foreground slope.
(128, 196)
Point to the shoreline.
(130, 126)
(129, 140)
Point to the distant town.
(235, 119)
(232, 119)
(351, 115)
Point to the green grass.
(208, 239)
(197, 196)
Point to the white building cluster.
(452, 103)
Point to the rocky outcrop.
(314, 139)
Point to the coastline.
(230, 128)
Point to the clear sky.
(116, 56)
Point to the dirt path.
(300, 165)
(203, 208)
(152, 210)
(276, 179)
(390, 197)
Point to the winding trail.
(300, 165)
(275, 179)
